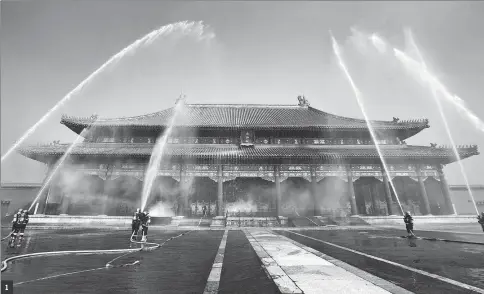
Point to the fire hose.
(150, 247)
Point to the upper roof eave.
(228, 151)
(240, 116)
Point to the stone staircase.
(252, 222)
(347, 221)
(301, 221)
(191, 222)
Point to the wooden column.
(184, 192)
(47, 194)
(220, 192)
(373, 195)
(314, 191)
(43, 201)
(445, 191)
(423, 192)
(64, 205)
(388, 195)
(278, 189)
(351, 192)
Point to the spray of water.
(157, 155)
(436, 87)
(426, 76)
(359, 99)
(420, 70)
(185, 27)
(379, 44)
(57, 166)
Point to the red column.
(220, 195)
(423, 192)
(278, 190)
(351, 192)
(388, 195)
(446, 191)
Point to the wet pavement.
(470, 229)
(242, 269)
(460, 262)
(298, 269)
(183, 264)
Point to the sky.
(263, 52)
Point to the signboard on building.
(247, 138)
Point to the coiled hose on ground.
(150, 247)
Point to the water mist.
(359, 99)
(184, 27)
(158, 153)
(420, 71)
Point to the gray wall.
(462, 201)
(19, 194)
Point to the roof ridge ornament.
(302, 101)
(181, 99)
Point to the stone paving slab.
(304, 271)
(213, 281)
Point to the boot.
(143, 239)
(20, 239)
(12, 241)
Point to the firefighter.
(23, 221)
(16, 224)
(135, 222)
(480, 220)
(408, 219)
(145, 221)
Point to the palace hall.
(259, 160)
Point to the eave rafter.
(444, 154)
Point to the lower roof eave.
(51, 158)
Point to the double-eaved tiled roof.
(445, 155)
(245, 116)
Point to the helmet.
(138, 210)
(25, 210)
(407, 213)
(146, 212)
(20, 210)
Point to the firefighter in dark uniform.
(16, 224)
(480, 220)
(135, 222)
(408, 219)
(145, 222)
(24, 220)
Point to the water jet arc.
(357, 95)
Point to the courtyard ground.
(252, 260)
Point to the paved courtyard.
(252, 260)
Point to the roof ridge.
(408, 121)
(237, 105)
(152, 114)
